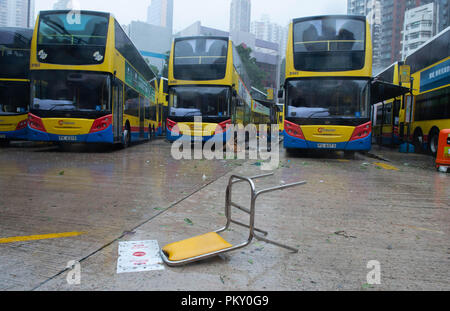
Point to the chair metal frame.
(234, 179)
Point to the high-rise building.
(160, 13)
(420, 25)
(372, 10)
(152, 41)
(358, 7)
(240, 15)
(393, 20)
(272, 32)
(443, 8)
(17, 13)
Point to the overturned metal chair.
(212, 244)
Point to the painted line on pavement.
(39, 237)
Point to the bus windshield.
(70, 91)
(199, 101)
(72, 42)
(14, 53)
(330, 44)
(14, 97)
(328, 98)
(200, 59)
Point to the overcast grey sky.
(212, 13)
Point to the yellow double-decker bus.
(423, 115)
(14, 82)
(89, 83)
(385, 115)
(327, 85)
(207, 79)
(280, 116)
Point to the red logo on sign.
(61, 122)
(139, 254)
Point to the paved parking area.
(351, 211)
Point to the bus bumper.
(14, 135)
(364, 144)
(222, 137)
(105, 136)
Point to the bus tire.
(126, 140)
(433, 141)
(149, 132)
(418, 140)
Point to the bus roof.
(359, 17)
(81, 12)
(26, 33)
(387, 74)
(434, 50)
(201, 37)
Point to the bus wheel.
(418, 140)
(150, 133)
(126, 137)
(433, 142)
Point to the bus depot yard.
(96, 197)
(350, 212)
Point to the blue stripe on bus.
(18, 134)
(105, 136)
(217, 137)
(155, 55)
(363, 144)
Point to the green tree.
(256, 74)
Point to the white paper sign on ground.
(138, 256)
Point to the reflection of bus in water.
(89, 82)
(14, 82)
(327, 86)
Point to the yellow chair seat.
(196, 246)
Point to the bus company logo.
(61, 123)
(42, 54)
(97, 56)
(324, 130)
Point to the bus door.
(118, 112)
(406, 118)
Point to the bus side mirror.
(280, 93)
(234, 93)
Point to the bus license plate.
(327, 146)
(67, 138)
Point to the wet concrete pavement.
(351, 211)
